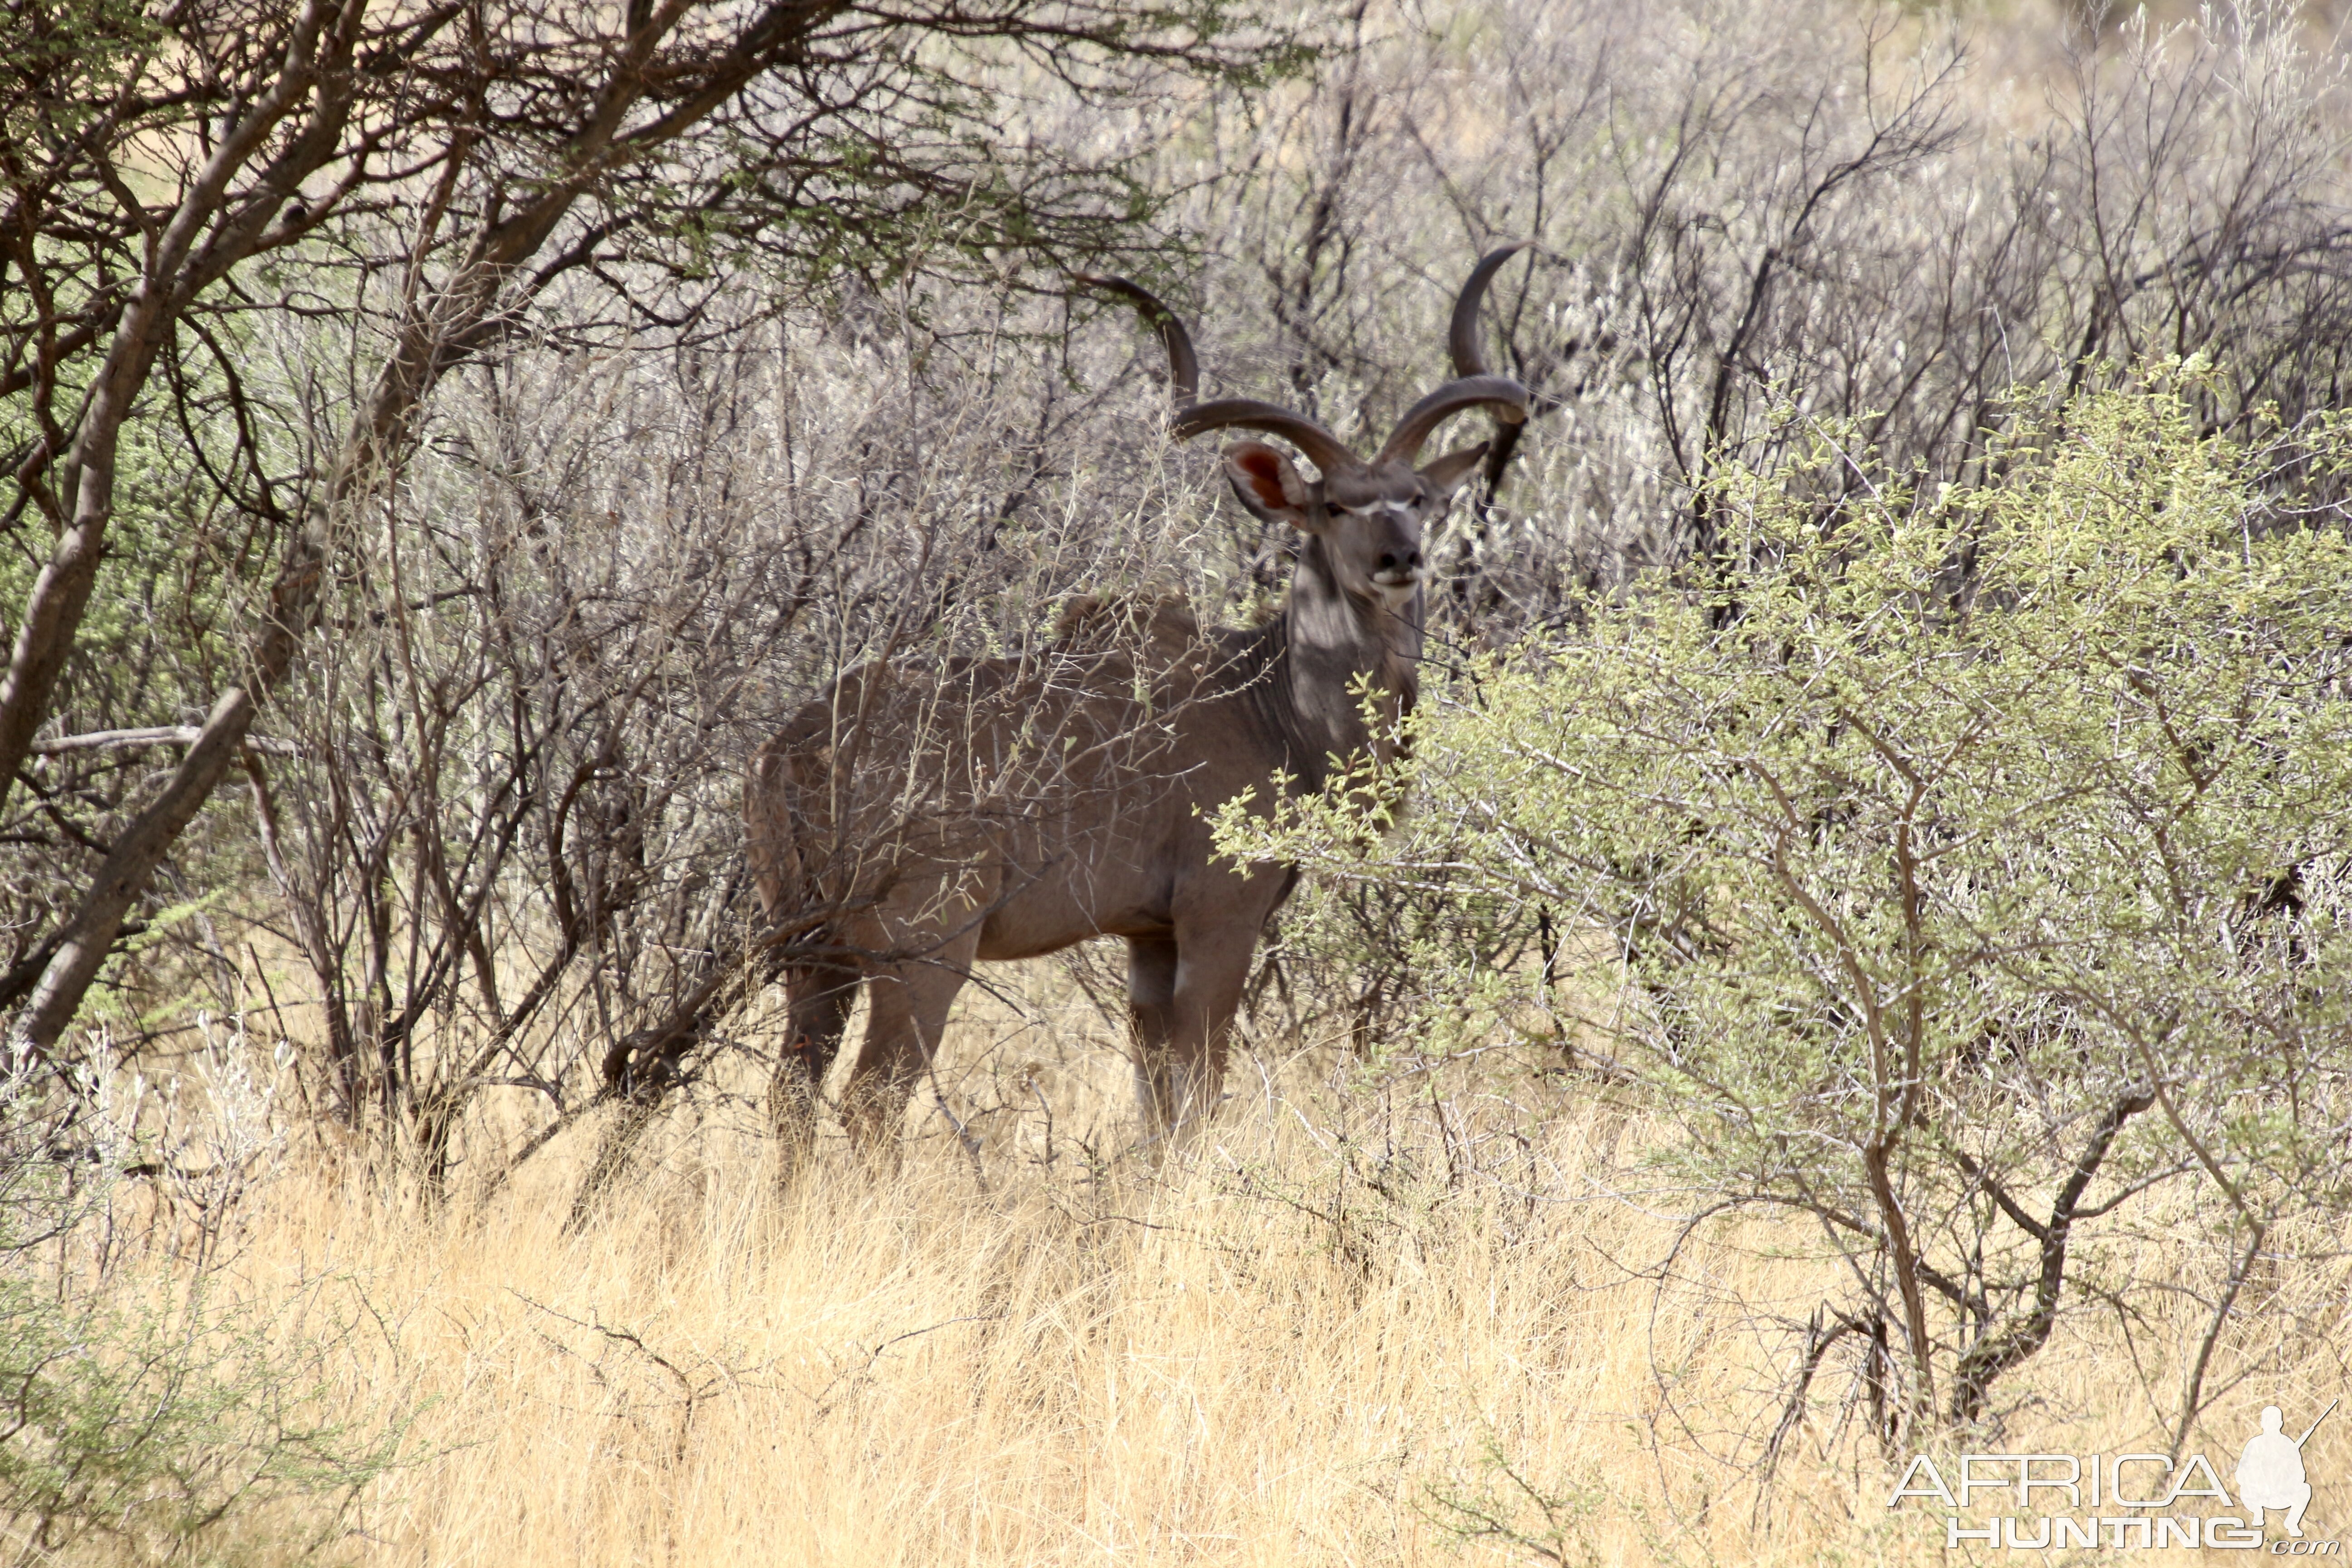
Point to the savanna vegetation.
(1851, 963)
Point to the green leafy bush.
(148, 1411)
(169, 1433)
(1961, 871)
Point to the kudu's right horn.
(1193, 417)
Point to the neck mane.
(1307, 672)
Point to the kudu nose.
(1392, 561)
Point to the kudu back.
(911, 822)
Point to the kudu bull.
(911, 822)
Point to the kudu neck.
(1335, 648)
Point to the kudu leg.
(1151, 965)
(1184, 1079)
(911, 1002)
(821, 997)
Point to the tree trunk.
(209, 232)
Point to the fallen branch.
(158, 735)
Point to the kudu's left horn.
(1475, 386)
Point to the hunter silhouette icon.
(2270, 1472)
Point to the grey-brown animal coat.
(913, 822)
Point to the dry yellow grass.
(1244, 1354)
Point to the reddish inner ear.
(1264, 471)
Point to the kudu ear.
(1267, 484)
(1444, 476)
